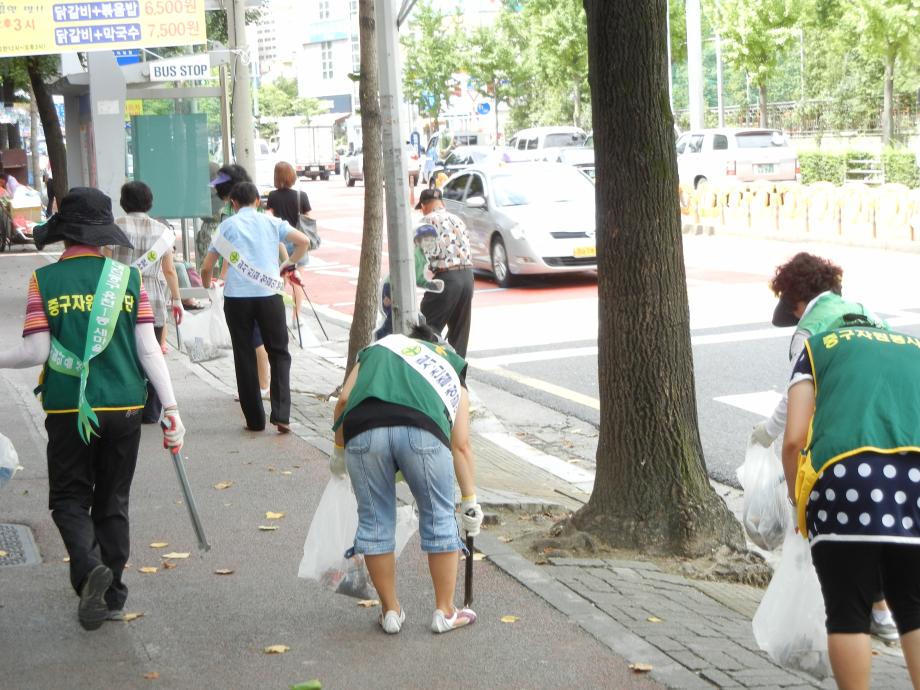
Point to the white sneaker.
(441, 623)
(391, 622)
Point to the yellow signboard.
(38, 27)
(134, 107)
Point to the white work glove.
(337, 462)
(470, 516)
(173, 429)
(435, 285)
(761, 436)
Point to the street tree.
(652, 489)
(492, 58)
(754, 34)
(431, 57)
(280, 99)
(366, 295)
(887, 29)
(559, 55)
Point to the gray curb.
(605, 629)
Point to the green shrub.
(823, 166)
(900, 165)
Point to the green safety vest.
(116, 380)
(867, 398)
(384, 375)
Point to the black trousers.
(452, 308)
(243, 313)
(89, 487)
(153, 407)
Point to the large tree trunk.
(54, 139)
(888, 103)
(762, 89)
(367, 296)
(652, 490)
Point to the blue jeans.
(373, 458)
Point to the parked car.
(442, 143)
(525, 218)
(544, 143)
(465, 156)
(745, 155)
(353, 165)
(582, 157)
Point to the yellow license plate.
(584, 251)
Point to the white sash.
(163, 244)
(434, 368)
(245, 267)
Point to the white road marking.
(762, 403)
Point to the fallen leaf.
(152, 675)
(309, 685)
(641, 668)
(133, 616)
(287, 473)
(271, 468)
(220, 486)
(509, 619)
(159, 545)
(268, 528)
(273, 516)
(296, 467)
(368, 603)
(875, 652)
(653, 619)
(168, 565)
(223, 571)
(479, 556)
(175, 554)
(276, 649)
(505, 540)
(3, 554)
(149, 570)
(66, 559)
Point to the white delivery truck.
(314, 151)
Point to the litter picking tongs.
(189, 500)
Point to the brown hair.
(804, 277)
(285, 177)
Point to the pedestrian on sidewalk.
(851, 456)
(809, 288)
(248, 241)
(404, 408)
(290, 204)
(450, 262)
(152, 253)
(93, 389)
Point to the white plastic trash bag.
(765, 516)
(205, 335)
(332, 534)
(789, 623)
(9, 460)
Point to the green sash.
(103, 317)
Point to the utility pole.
(395, 168)
(241, 105)
(695, 63)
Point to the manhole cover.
(19, 544)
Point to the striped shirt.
(36, 318)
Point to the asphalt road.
(203, 630)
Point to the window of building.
(323, 9)
(355, 55)
(326, 59)
(354, 7)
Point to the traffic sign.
(127, 57)
(483, 108)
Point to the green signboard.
(171, 157)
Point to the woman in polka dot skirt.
(851, 450)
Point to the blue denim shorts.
(373, 458)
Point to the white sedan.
(525, 218)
